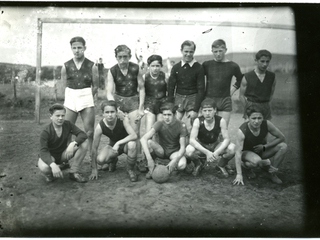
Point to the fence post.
(38, 72)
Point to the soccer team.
(186, 114)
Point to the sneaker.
(229, 170)
(142, 166)
(222, 171)
(197, 170)
(274, 178)
(148, 175)
(133, 176)
(113, 165)
(64, 166)
(77, 177)
(49, 178)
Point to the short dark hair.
(56, 107)
(218, 43)
(188, 43)
(111, 103)
(255, 109)
(154, 58)
(208, 102)
(262, 53)
(78, 39)
(168, 106)
(121, 48)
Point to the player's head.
(155, 64)
(100, 60)
(219, 49)
(57, 114)
(255, 116)
(78, 46)
(208, 108)
(109, 110)
(78, 39)
(123, 55)
(263, 58)
(187, 50)
(168, 111)
(263, 53)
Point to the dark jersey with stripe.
(126, 85)
(79, 78)
(206, 136)
(156, 88)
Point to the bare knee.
(283, 146)
(132, 145)
(43, 167)
(189, 151)
(182, 163)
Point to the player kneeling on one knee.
(122, 140)
(172, 136)
(204, 142)
(253, 150)
(55, 152)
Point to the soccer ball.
(160, 174)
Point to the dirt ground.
(112, 206)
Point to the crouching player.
(254, 151)
(122, 140)
(55, 152)
(204, 143)
(172, 140)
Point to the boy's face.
(123, 58)
(109, 113)
(208, 112)
(58, 117)
(187, 53)
(255, 120)
(219, 53)
(155, 67)
(263, 63)
(168, 116)
(78, 49)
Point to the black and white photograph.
(137, 121)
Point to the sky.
(18, 28)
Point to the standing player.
(155, 83)
(219, 73)
(257, 86)
(172, 141)
(81, 80)
(186, 83)
(253, 150)
(126, 79)
(100, 66)
(55, 152)
(122, 140)
(204, 144)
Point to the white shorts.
(78, 99)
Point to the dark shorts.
(185, 102)
(264, 106)
(223, 104)
(210, 146)
(166, 152)
(153, 104)
(127, 104)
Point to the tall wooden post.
(14, 82)
(38, 72)
(55, 84)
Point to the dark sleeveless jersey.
(156, 88)
(258, 91)
(79, 79)
(251, 140)
(119, 132)
(126, 86)
(206, 136)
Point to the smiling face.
(255, 120)
(219, 53)
(109, 114)
(78, 50)
(187, 53)
(263, 63)
(57, 117)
